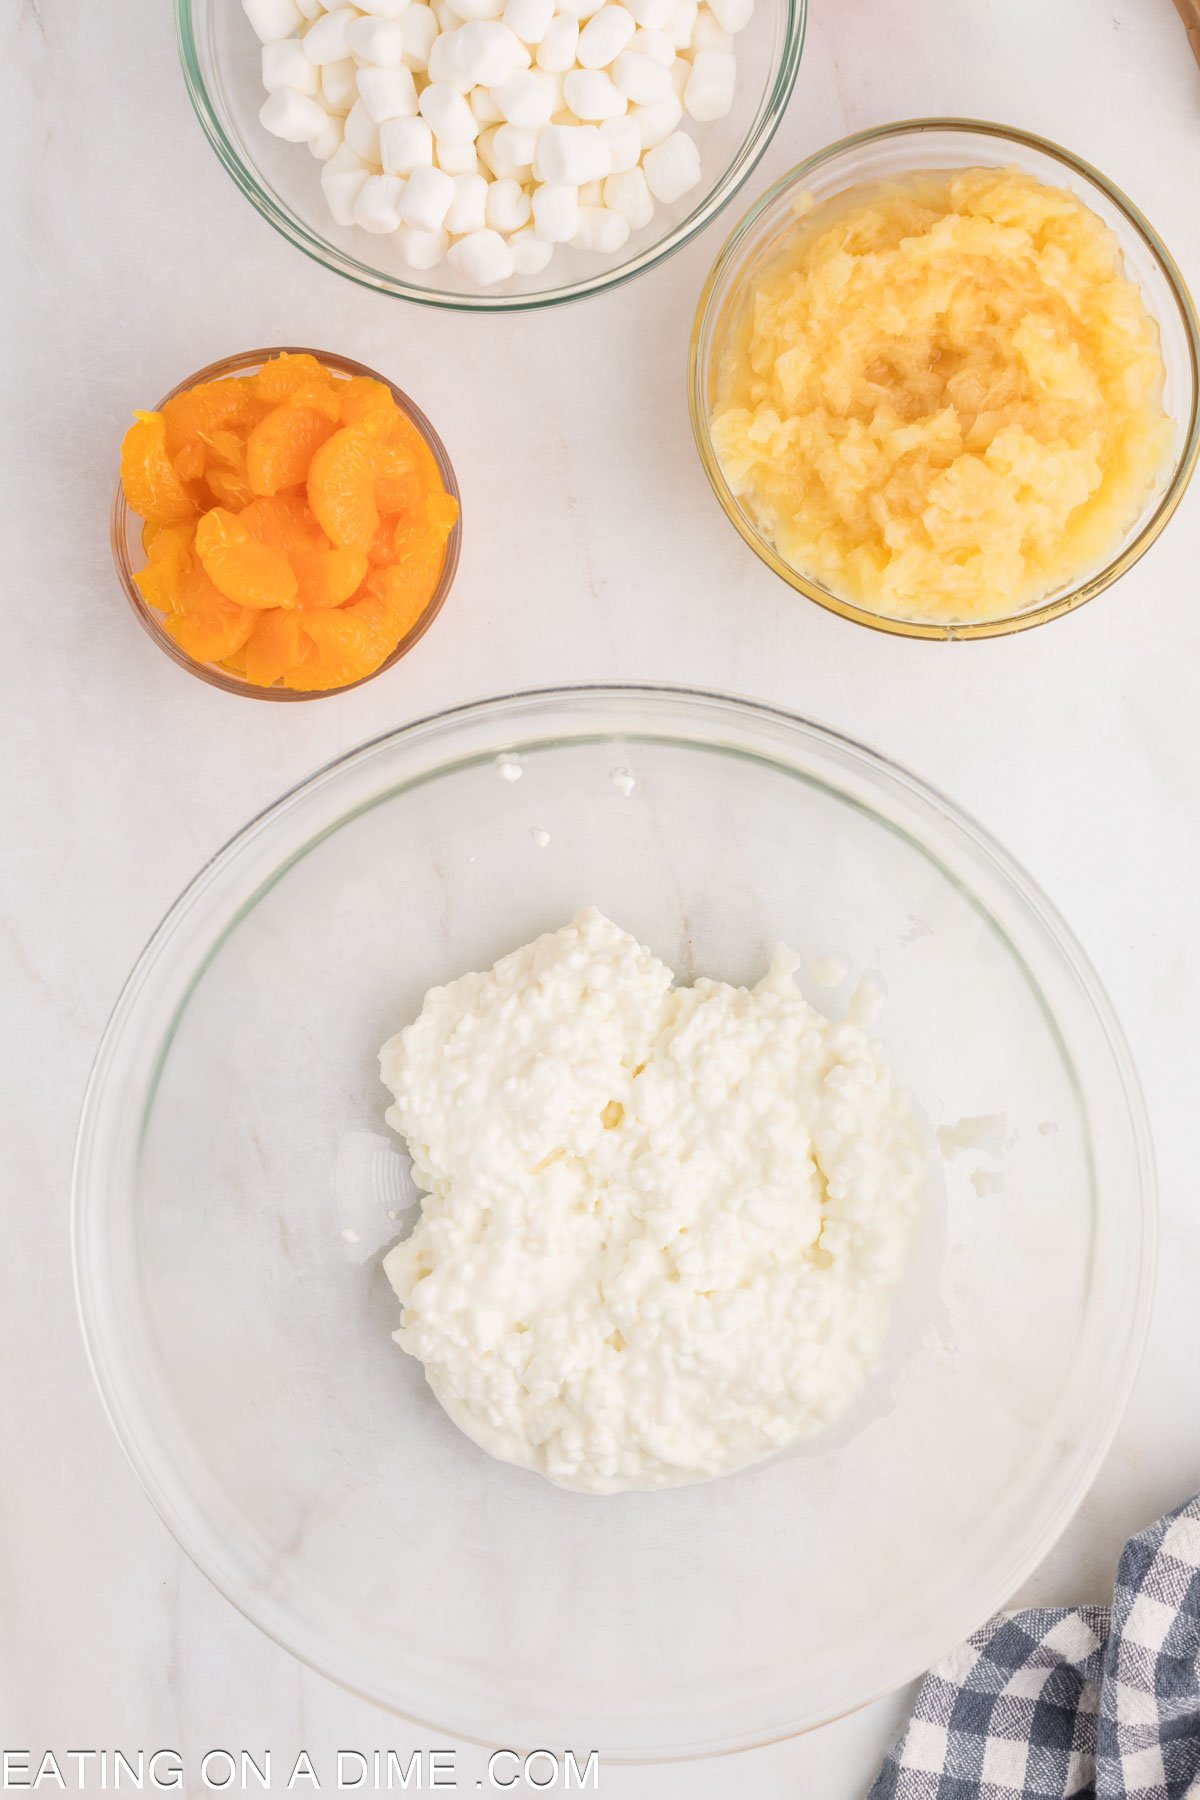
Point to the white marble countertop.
(132, 259)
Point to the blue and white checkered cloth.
(1097, 1702)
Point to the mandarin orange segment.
(408, 590)
(276, 646)
(229, 488)
(328, 577)
(341, 484)
(208, 626)
(153, 490)
(227, 405)
(189, 462)
(405, 466)
(279, 378)
(161, 581)
(281, 447)
(348, 643)
(319, 396)
(252, 573)
(366, 402)
(284, 520)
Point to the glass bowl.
(235, 1186)
(907, 148)
(221, 65)
(125, 530)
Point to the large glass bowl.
(222, 67)
(234, 1187)
(890, 152)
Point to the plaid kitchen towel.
(1095, 1701)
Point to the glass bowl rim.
(226, 680)
(1130, 552)
(298, 234)
(87, 1202)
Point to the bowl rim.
(289, 226)
(86, 1202)
(1130, 553)
(121, 512)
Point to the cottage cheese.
(661, 1224)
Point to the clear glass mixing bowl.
(221, 59)
(232, 1137)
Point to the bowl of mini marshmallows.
(490, 154)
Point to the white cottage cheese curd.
(661, 1225)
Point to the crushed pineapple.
(943, 399)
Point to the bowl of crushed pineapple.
(943, 380)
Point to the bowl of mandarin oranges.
(286, 524)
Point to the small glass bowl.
(129, 556)
(223, 72)
(910, 147)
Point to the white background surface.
(593, 550)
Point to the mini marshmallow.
(605, 36)
(388, 93)
(530, 253)
(732, 15)
(272, 19)
(485, 147)
(326, 41)
(672, 167)
(679, 74)
(551, 83)
(379, 42)
(341, 179)
(422, 249)
(490, 52)
(653, 43)
(362, 134)
(377, 207)
(524, 100)
(658, 121)
(284, 64)
(556, 52)
(468, 208)
(339, 84)
(708, 35)
(427, 197)
(483, 104)
(382, 9)
(292, 116)
(312, 9)
(623, 141)
(555, 212)
(600, 229)
(592, 193)
(328, 141)
(483, 257)
(629, 194)
(529, 19)
(444, 13)
(419, 30)
(478, 9)
(508, 206)
(456, 159)
(447, 114)
(579, 9)
(641, 79)
(405, 145)
(652, 15)
(682, 23)
(512, 150)
(709, 92)
(570, 154)
(591, 94)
